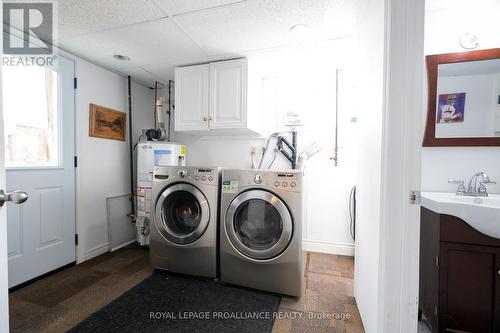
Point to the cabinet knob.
(209, 118)
(205, 118)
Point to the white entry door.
(38, 108)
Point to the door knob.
(17, 197)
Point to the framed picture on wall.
(451, 108)
(107, 123)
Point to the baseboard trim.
(344, 249)
(96, 251)
(123, 245)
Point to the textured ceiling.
(158, 35)
(77, 17)
(175, 7)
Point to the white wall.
(302, 81)
(103, 165)
(439, 165)
(366, 76)
(142, 114)
(447, 20)
(142, 109)
(455, 163)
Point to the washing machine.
(260, 230)
(183, 237)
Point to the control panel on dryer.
(285, 180)
(282, 180)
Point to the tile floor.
(58, 302)
(328, 290)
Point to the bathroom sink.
(481, 213)
(491, 201)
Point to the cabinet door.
(228, 94)
(191, 98)
(468, 288)
(429, 272)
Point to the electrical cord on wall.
(265, 149)
(352, 212)
(138, 140)
(274, 158)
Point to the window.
(31, 116)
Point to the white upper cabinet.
(214, 99)
(191, 98)
(228, 94)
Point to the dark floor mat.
(172, 303)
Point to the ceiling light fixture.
(121, 57)
(469, 41)
(300, 29)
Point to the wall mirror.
(463, 99)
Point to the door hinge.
(414, 197)
(76, 161)
(75, 83)
(76, 239)
(437, 261)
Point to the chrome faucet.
(473, 189)
(480, 190)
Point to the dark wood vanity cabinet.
(459, 276)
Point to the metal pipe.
(132, 183)
(160, 120)
(154, 105)
(336, 149)
(169, 111)
(292, 156)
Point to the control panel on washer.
(202, 175)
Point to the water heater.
(149, 155)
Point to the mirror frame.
(433, 61)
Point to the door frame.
(4, 274)
(401, 165)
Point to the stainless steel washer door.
(259, 224)
(182, 213)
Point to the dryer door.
(259, 224)
(182, 213)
